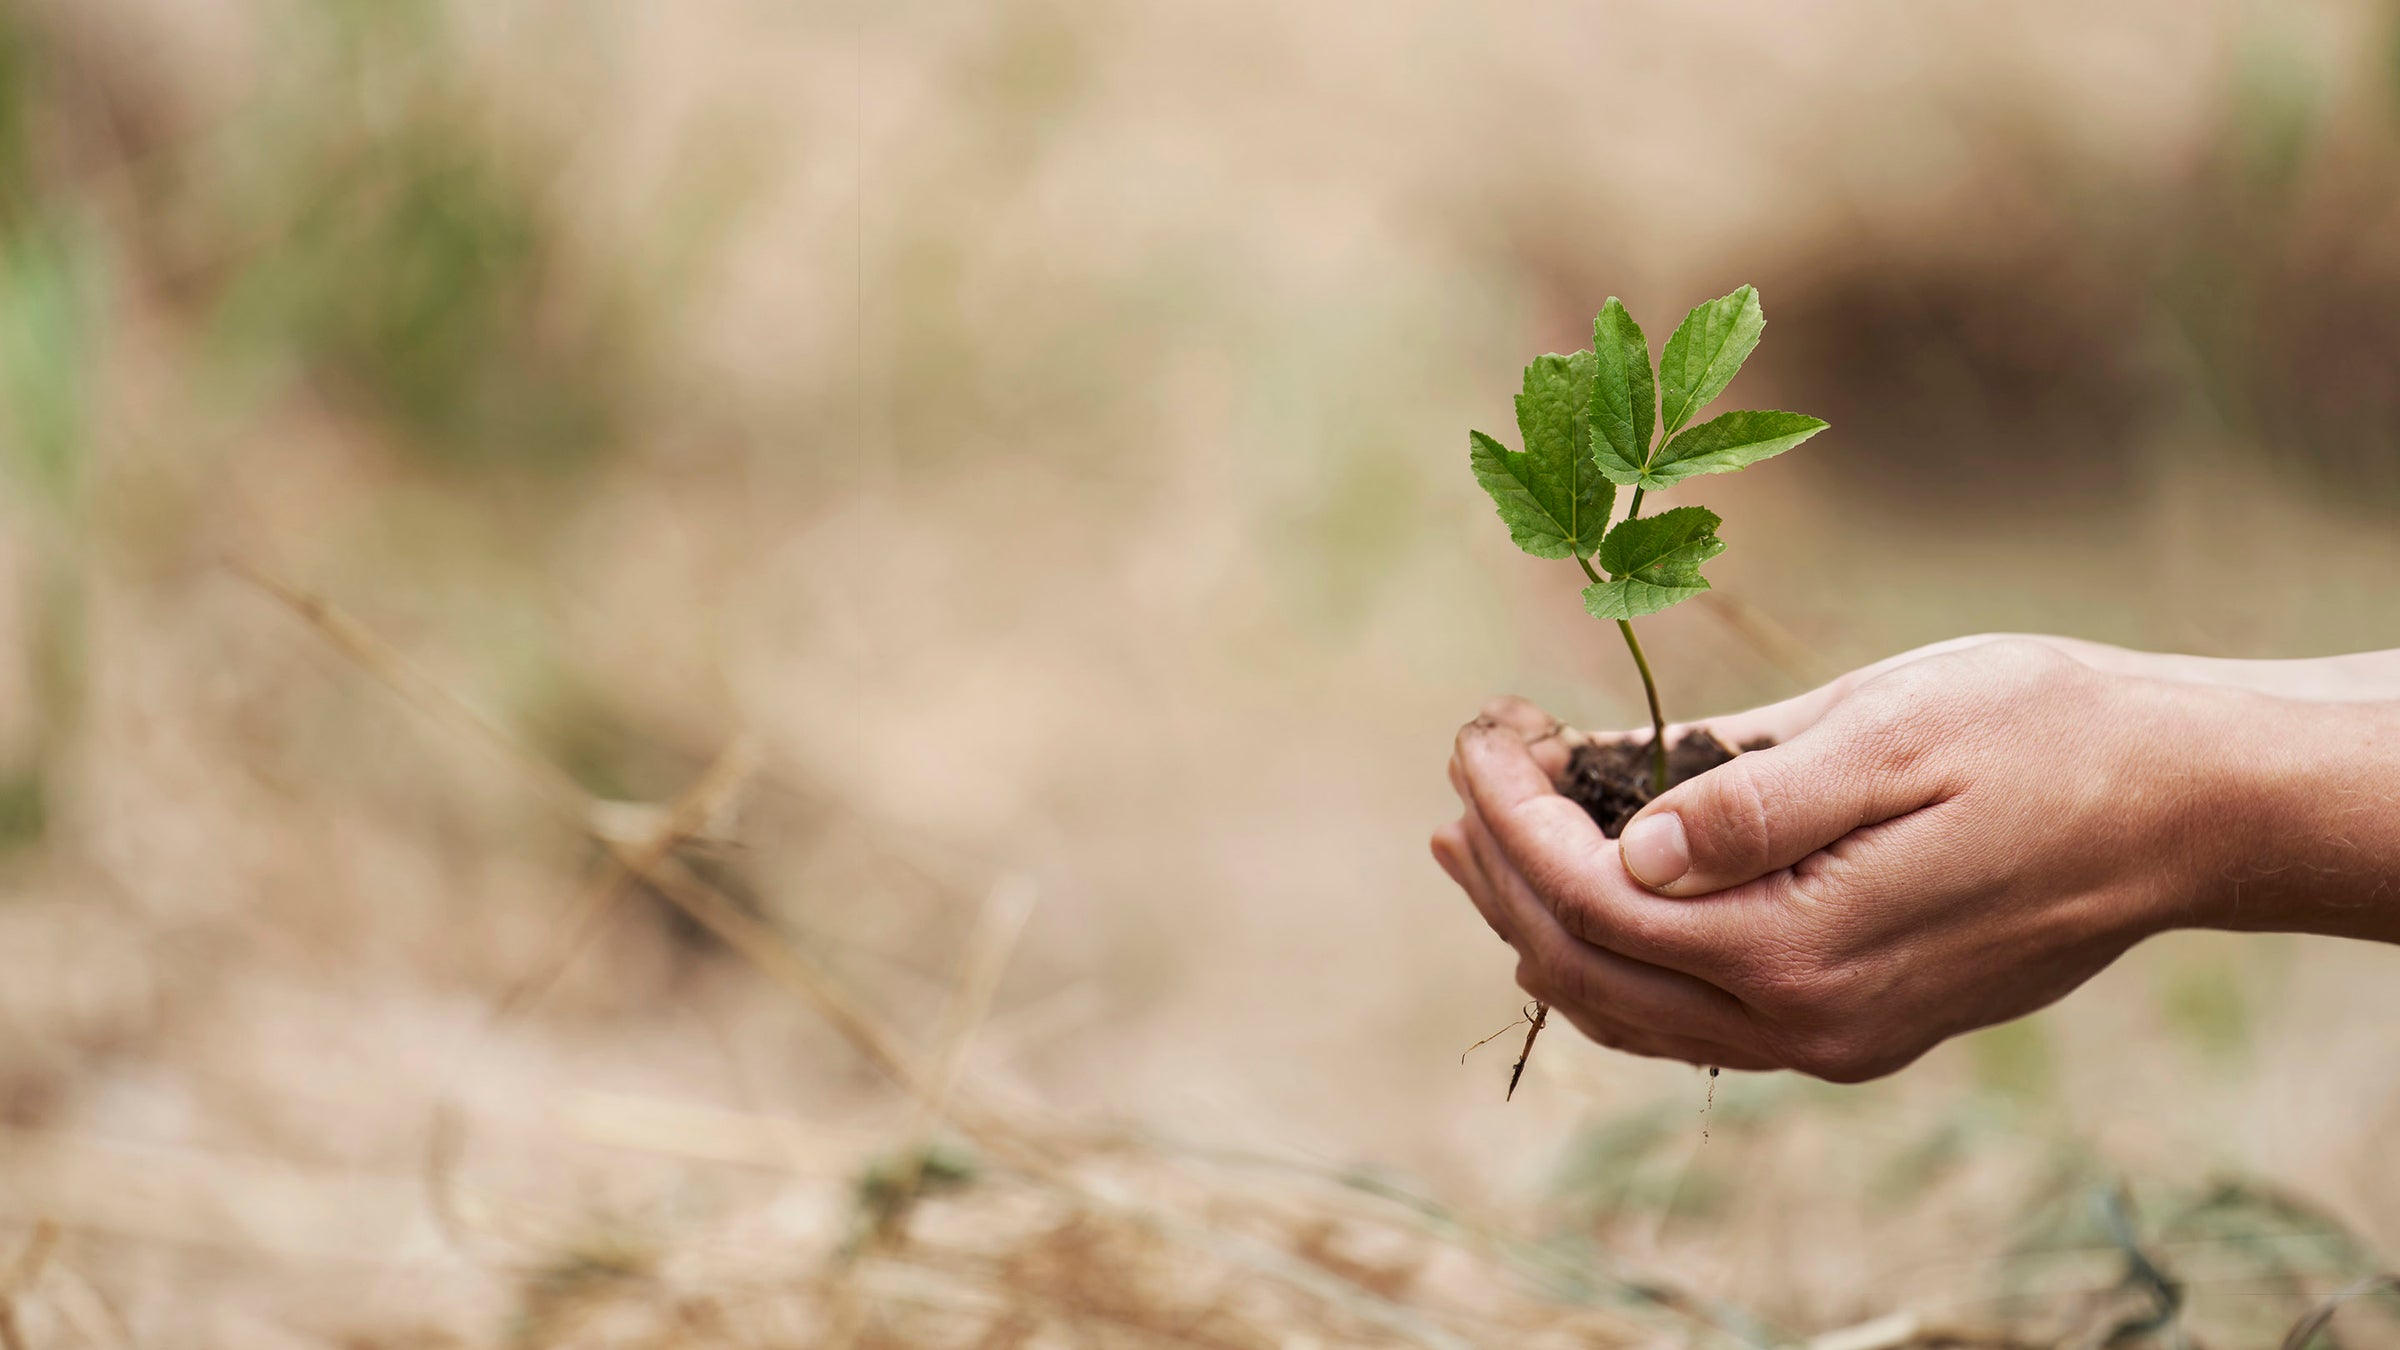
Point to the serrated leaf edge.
(1669, 426)
(1624, 587)
(1641, 411)
(1655, 475)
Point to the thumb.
(1768, 809)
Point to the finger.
(1618, 1031)
(1636, 1041)
(1522, 717)
(1482, 856)
(1576, 873)
(1551, 741)
(1451, 850)
(1781, 721)
(1550, 756)
(1606, 1026)
(1559, 968)
(1787, 719)
(1772, 722)
(1770, 808)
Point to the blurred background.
(585, 586)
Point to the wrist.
(2293, 824)
(2181, 798)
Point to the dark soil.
(1612, 781)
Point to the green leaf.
(1733, 441)
(1708, 347)
(1654, 562)
(1550, 494)
(1624, 397)
(1682, 538)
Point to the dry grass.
(1025, 1231)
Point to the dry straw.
(977, 1223)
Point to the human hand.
(1947, 840)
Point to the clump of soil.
(1611, 780)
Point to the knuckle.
(2006, 668)
(2027, 658)
(2004, 689)
(2007, 651)
(1896, 731)
(2016, 670)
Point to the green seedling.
(1587, 421)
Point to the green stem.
(1658, 720)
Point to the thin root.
(1541, 1014)
(1524, 1015)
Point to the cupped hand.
(1946, 840)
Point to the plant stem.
(1658, 719)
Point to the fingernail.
(1655, 850)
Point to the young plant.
(1587, 421)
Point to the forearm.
(2302, 821)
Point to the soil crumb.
(1612, 780)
